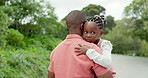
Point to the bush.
(2, 41)
(30, 62)
(14, 37)
(144, 48)
(24, 64)
(4, 23)
(48, 42)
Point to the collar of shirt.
(73, 36)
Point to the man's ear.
(82, 26)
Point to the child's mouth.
(88, 40)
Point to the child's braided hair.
(100, 20)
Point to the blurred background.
(31, 29)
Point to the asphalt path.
(130, 66)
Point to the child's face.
(91, 32)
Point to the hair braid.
(100, 20)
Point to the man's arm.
(106, 75)
(51, 74)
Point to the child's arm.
(103, 60)
(106, 48)
(98, 58)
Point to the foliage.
(23, 63)
(110, 24)
(93, 9)
(29, 34)
(53, 27)
(137, 10)
(14, 37)
(30, 20)
(31, 61)
(123, 42)
(37, 19)
(144, 48)
(4, 23)
(46, 41)
(2, 2)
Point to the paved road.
(130, 66)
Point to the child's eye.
(85, 32)
(92, 33)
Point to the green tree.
(93, 9)
(137, 10)
(27, 15)
(4, 23)
(121, 39)
(110, 24)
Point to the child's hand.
(82, 49)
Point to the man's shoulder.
(91, 45)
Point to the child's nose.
(89, 34)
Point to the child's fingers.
(80, 45)
(77, 47)
(77, 50)
(79, 53)
(85, 46)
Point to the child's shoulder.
(105, 42)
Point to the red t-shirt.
(65, 63)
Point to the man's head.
(74, 20)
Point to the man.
(64, 62)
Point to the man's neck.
(76, 32)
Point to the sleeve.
(98, 69)
(103, 60)
(106, 47)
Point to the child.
(92, 32)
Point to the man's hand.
(82, 49)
